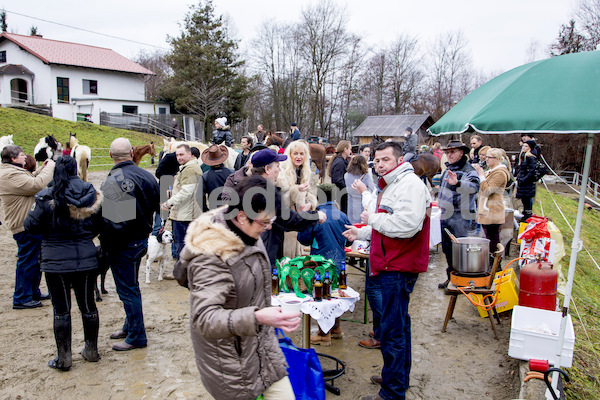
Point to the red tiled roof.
(75, 54)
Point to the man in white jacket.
(182, 204)
(399, 234)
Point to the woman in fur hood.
(225, 265)
(298, 188)
(67, 216)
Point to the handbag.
(304, 369)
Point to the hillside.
(27, 129)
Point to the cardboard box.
(534, 334)
(508, 295)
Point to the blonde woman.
(490, 210)
(298, 188)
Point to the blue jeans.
(179, 230)
(396, 288)
(28, 274)
(125, 265)
(373, 291)
(157, 223)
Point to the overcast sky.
(499, 32)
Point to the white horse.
(47, 148)
(82, 154)
(5, 141)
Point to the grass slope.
(27, 129)
(585, 373)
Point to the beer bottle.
(275, 282)
(318, 288)
(326, 287)
(342, 278)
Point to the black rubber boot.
(90, 333)
(62, 335)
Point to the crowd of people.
(231, 226)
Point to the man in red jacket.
(399, 234)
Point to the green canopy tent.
(556, 95)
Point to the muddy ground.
(466, 362)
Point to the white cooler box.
(534, 335)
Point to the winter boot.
(321, 338)
(62, 335)
(336, 331)
(90, 333)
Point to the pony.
(426, 165)
(317, 152)
(141, 151)
(82, 154)
(47, 148)
(5, 141)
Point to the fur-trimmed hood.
(209, 235)
(86, 212)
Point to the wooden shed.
(393, 126)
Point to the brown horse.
(426, 165)
(317, 152)
(141, 151)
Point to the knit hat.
(222, 121)
(531, 144)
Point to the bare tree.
(404, 73)
(587, 13)
(326, 41)
(450, 65)
(155, 62)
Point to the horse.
(5, 141)
(426, 165)
(317, 152)
(141, 151)
(82, 154)
(47, 148)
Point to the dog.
(158, 250)
(103, 267)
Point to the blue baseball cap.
(266, 157)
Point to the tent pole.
(576, 246)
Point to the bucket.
(471, 255)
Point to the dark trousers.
(28, 274)
(373, 291)
(82, 283)
(492, 232)
(125, 265)
(179, 231)
(396, 288)
(527, 208)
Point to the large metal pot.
(471, 255)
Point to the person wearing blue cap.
(266, 164)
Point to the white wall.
(14, 55)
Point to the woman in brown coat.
(226, 268)
(490, 210)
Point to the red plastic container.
(538, 365)
(538, 286)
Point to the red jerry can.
(538, 286)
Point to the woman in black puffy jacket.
(66, 215)
(526, 183)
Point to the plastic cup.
(290, 304)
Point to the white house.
(76, 80)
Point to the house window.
(162, 110)
(3, 56)
(90, 87)
(130, 110)
(62, 88)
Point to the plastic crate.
(527, 341)
(508, 295)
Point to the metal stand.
(330, 374)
